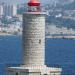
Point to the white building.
(10, 10)
(1, 10)
(14, 10)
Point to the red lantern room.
(33, 6)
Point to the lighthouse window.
(33, 8)
(45, 74)
(16, 74)
(39, 41)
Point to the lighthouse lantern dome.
(34, 6)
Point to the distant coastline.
(61, 37)
(4, 34)
(49, 36)
(7, 34)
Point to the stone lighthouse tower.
(34, 35)
(33, 44)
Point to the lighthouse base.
(41, 70)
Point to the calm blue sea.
(59, 53)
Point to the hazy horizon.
(42, 1)
(20, 1)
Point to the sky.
(19, 1)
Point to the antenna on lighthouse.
(33, 6)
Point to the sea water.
(59, 53)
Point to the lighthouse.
(33, 39)
(34, 35)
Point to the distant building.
(1, 10)
(14, 10)
(10, 10)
